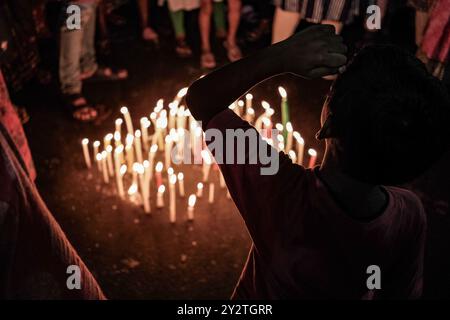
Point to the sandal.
(148, 34)
(182, 49)
(105, 74)
(207, 60)
(79, 109)
(233, 52)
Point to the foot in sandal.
(233, 51)
(79, 109)
(207, 60)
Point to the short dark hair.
(390, 117)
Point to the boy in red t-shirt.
(320, 233)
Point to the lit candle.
(191, 205)
(289, 138)
(293, 156)
(127, 117)
(145, 124)
(285, 117)
(107, 140)
(96, 146)
(109, 160)
(151, 159)
(198, 146)
(206, 164)
(123, 170)
(158, 170)
(135, 172)
(98, 159)
(144, 189)
(181, 184)
(104, 167)
(173, 111)
(300, 147)
(167, 151)
(117, 139)
(248, 101)
(118, 169)
(87, 157)
(199, 190)
(211, 193)
(129, 151)
(118, 124)
(249, 115)
(313, 157)
(138, 145)
(132, 191)
(240, 107)
(160, 196)
(172, 204)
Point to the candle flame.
(199, 185)
(292, 155)
(159, 166)
(192, 200)
(279, 127)
(137, 133)
(153, 115)
(117, 136)
(312, 152)
(85, 141)
(249, 96)
(119, 149)
(282, 92)
(170, 171)
(124, 110)
(280, 138)
(161, 189)
(118, 122)
(109, 137)
(139, 168)
(96, 144)
(289, 127)
(159, 105)
(154, 148)
(146, 164)
(123, 169)
(145, 123)
(265, 105)
(182, 93)
(240, 103)
(173, 179)
(250, 111)
(133, 189)
(98, 157)
(129, 139)
(180, 176)
(109, 149)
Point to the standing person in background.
(148, 34)
(177, 10)
(78, 62)
(208, 60)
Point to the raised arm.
(314, 52)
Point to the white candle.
(118, 169)
(181, 184)
(250, 115)
(293, 156)
(104, 167)
(135, 172)
(206, 164)
(300, 147)
(211, 193)
(151, 159)
(109, 160)
(313, 157)
(96, 146)
(118, 124)
(167, 151)
(191, 205)
(221, 180)
(87, 157)
(117, 138)
(289, 141)
(138, 146)
(160, 196)
(199, 190)
(248, 101)
(145, 124)
(127, 117)
(240, 107)
(172, 208)
(158, 170)
(129, 151)
(144, 190)
(123, 170)
(132, 191)
(98, 159)
(107, 140)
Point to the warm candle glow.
(170, 171)
(192, 200)
(265, 105)
(173, 179)
(133, 189)
(154, 148)
(96, 144)
(159, 166)
(289, 127)
(312, 152)
(123, 169)
(161, 189)
(279, 127)
(182, 93)
(159, 105)
(85, 141)
(129, 139)
(249, 96)
(180, 176)
(282, 92)
(124, 110)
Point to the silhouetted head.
(386, 118)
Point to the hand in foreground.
(314, 52)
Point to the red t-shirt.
(306, 246)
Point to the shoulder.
(408, 205)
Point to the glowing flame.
(292, 155)
(85, 141)
(173, 179)
(289, 127)
(124, 110)
(182, 93)
(123, 169)
(265, 105)
(133, 189)
(98, 157)
(180, 176)
(137, 133)
(170, 171)
(117, 136)
(129, 139)
(312, 152)
(109, 149)
(145, 123)
(109, 137)
(282, 92)
(199, 186)
(159, 166)
(248, 96)
(192, 200)
(240, 103)
(161, 189)
(96, 144)
(154, 148)
(159, 105)
(279, 127)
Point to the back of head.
(390, 116)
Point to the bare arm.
(312, 53)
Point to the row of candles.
(120, 157)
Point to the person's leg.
(284, 24)
(148, 33)
(88, 63)
(207, 59)
(234, 17)
(219, 19)
(182, 48)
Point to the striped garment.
(318, 10)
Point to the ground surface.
(135, 256)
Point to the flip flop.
(106, 74)
(233, 52)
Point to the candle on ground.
(117, 138)
(145, 124)
(211, 193)
(109, 160)
(138, 146)
(117, 165)
(300, 147)
(96, 145)
(206, 164)
(191, 205)
(160, 196)
(104, 167)
(118, 124)
(144, 189)
(87, 157)
(172, 203)
(293, 156)
(285, 116)
(151, 159)
(313, 157)
(199, 190)
(289, 136)
(181, 184)
(129, 151)
(127, 117)
(167, 151)
(248, 101)
(158, 176)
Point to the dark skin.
(312, 53)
